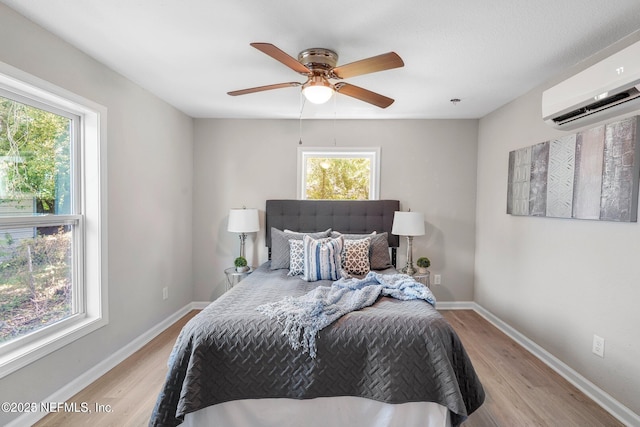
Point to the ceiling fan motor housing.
(318, 59)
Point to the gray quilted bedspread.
(393, 351)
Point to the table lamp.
(408, 224)
(243, 221)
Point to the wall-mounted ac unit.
(606, 89)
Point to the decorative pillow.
(296, 264)
(355, 256)
(379, 257)
(322, 258)
(280, 245)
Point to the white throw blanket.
(303, 317)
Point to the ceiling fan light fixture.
(319, 65)
(317, 90)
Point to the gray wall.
(429, 165)
(557, 281)
(150, 165)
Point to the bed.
(393, 363)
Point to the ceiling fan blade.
(363, 94)
(283, 57)
(386, 61)
(263, 88)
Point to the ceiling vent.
(607, 89)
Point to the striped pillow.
(322, 258)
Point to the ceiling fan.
(319, 65)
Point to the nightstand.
(234, 277)
(423, 278)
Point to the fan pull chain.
(335, 116)
(302, 102)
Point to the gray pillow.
(379, 257)
(280, 254)
(379, 252)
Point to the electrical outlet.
(437, 279)
(165, 293)
(598, 346)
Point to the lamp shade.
(408, 224)
(317, 90)
(243, 221)
(317, 94)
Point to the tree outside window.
(338, 174)
(35, 259)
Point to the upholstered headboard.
(345, 216)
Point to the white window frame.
(372, 153)
(88, 219)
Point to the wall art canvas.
(592, 174)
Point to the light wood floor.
(521, 390)
(131, 388)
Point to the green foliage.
(35, 155)
(35, 282)
(423, 262)
(338, 178)
(240, 262)
(35, 272)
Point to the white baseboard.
(602, 398)
(455, 305)
(103, 367)
(199, 305)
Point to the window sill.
(37, 349)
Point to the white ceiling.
(191, 52)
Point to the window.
(51, 232)
(338, 173)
